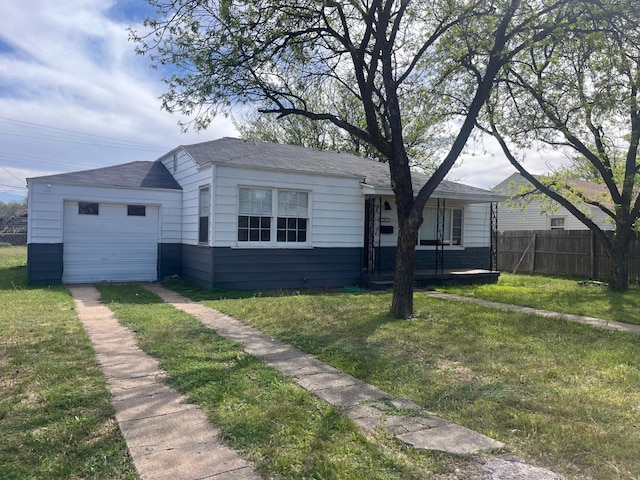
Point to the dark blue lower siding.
(44, 263)
(478, 257)
(262, 269)
(169, 259)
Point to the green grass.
(12, 256)
(563, 395)
(558, 294)
(56, 421)
(284, 430)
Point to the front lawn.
(284, 430)
(563, 395)
(558, 294)
(56, 421)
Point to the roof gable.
(129, 175)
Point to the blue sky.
(75, 96)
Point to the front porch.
(423, 278)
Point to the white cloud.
(70, 66)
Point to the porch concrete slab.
(450, 438)
(166, 437)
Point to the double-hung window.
(293, 208)
(254, 215)
(452, 227)
(272, 216)
(204, 204)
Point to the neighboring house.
(535, 215)
(236, 214)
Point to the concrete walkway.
(596, 322)
(167, 438)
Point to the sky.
(75, 96)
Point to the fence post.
(592, 253)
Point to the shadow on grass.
(12, 278)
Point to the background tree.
(580, 94)
(424, 139)
(385, 54)
(9, 212)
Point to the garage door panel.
(110, 246)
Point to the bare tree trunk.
(619, 273)
(402, 302)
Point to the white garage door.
(106, 242)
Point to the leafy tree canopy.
(579, 93)
(393, 62)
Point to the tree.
(423, 140)
(9, 211)
(580, 93)
(385, 54)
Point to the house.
(236, 214)
(521, 214)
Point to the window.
(136, 210)
(452, 235)
(88, 208)
(556, 223)
(254, 219)
(292, 216)
(204, 200)
(272, 215)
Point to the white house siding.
(336, 205)
(46, 207)
(532, 218)
(191, 177)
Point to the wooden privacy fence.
(574, 253)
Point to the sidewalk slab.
(450, 438)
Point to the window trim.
(274, 215)
(449, 245)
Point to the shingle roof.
(258, 154)
(133, 175)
